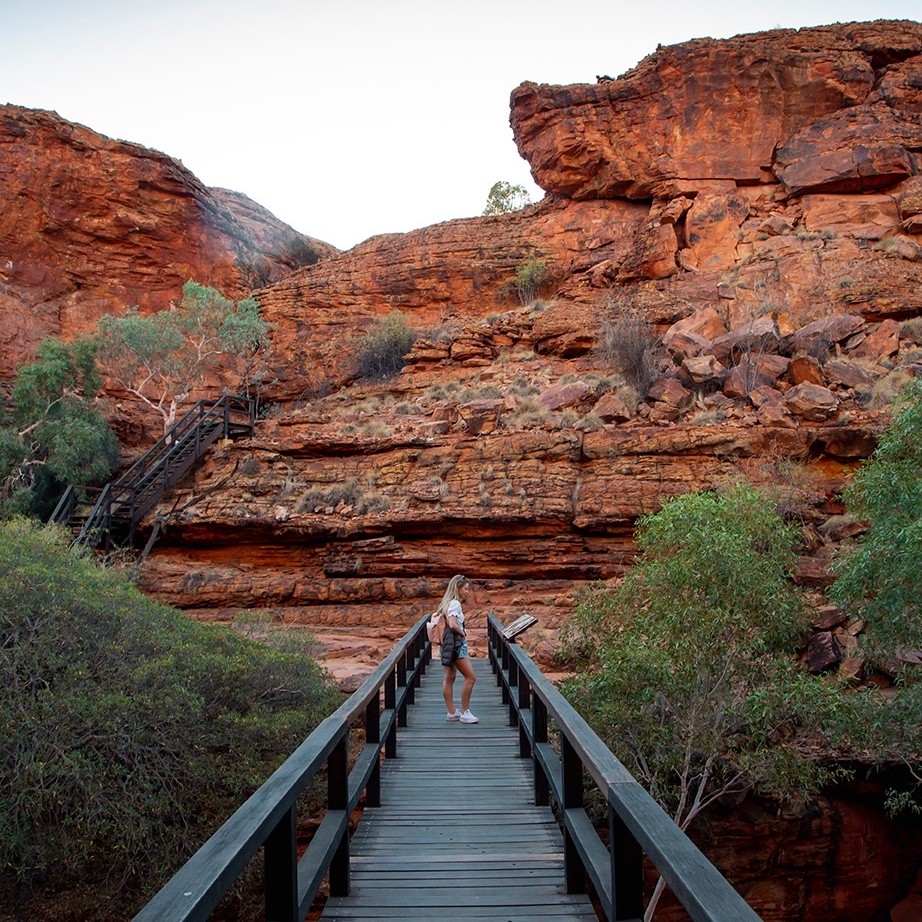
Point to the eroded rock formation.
(756, 201)
(90, 226)
(508, 446)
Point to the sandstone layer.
(90, 226)
(833, 108)
(784, 307)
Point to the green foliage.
(382, 351)
(504, 197)
(55, 433)
(529, 278)
(683, 668)
(128, 732)
(162, 357)
(881, 579)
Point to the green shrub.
(529, 278)
(880, 580)
(912, 330)
(349, 493)
(382, 351)
(676, 669)
(129, 732)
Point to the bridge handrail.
(268, 818)
(636, 822)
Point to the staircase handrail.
(637, 824)
(269, 817)
(124, 491)
(191, 421)
(65, 506)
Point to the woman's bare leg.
(448, 688)
(467, 670)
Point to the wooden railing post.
(572, 788)
(513, 684)
(390, 702)
(626, 870)
(409, 663)
(373, 735)
(539, 735)
(280, 870)
(338, 799)
(402, 683)
(524, 705)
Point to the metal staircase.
(114, 518)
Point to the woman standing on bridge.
(450, 607)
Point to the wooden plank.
(457, 835)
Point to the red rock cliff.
(505, 448)
(757, 200)
(90, 226)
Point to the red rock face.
(716, 110)
(836, 858)
(90, 226)
(757, 200)
(439, 277)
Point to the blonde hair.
(451, 593)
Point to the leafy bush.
(129, 732)
(671, 659)
(685, 669)
(881, 579)
(55, 433)
(349, 493)
(382, 351)
(529, 278)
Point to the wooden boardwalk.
(458, 835)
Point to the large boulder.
(710, 110)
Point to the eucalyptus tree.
(161, 358)
(505, 197)
(54, 431)
(686, 670)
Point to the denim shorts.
(462, 653)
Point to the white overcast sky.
(349, 118)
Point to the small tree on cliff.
(54, 433)
(685, 668)
(504, 197)
(881, 579)
(163, 357)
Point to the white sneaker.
(455, 716)
(468, 718)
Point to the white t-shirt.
(454, 611)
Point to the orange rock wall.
(90, 226)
